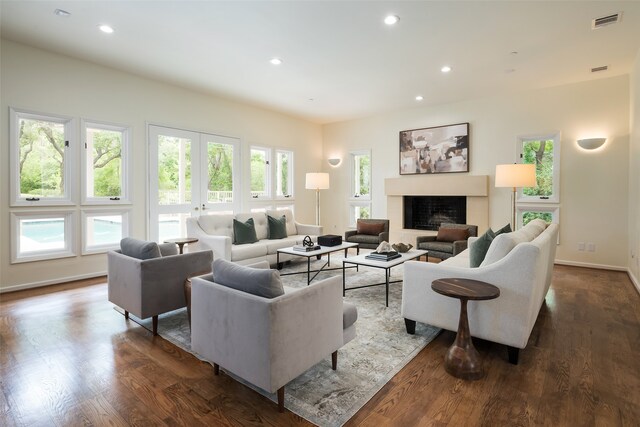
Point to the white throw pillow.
(217, 225)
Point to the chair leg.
(334, 360)
(155, 325)
(513, 352)
(411, 326)
(126, 314)
(281, 399)
(216, 369)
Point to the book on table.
(383, 256)
(302, 248)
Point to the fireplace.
(428, 212)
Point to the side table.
(462, 359)
(181, 242)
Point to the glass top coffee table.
(318, 254)
(361, 260)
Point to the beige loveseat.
(215, 232)
(519, 263)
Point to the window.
(105, 164)
(42, 159)
(284, 174)
(260, 173)
(103, 230)
(544, 152)
(42, 235)
(548, 213)
(360, 199)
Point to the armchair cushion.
(256, 281)
(478, 250)
(349, 315)
(452, 234)
(446, 247)
(369, 228)
(167, 249)
(244, 232)
(139, 249)
(277, 227)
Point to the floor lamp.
(515, 175)
(317, 181)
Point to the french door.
(191, 174)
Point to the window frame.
(97, 249)
(352, 174)
(554, 210)
(70, 227)
(290, 171)
(70, 161)
(555, 196)
(352, 207)
(267, 173)
(125, 179)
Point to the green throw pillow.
(244, 232)
(505, 229)
(479, 249)
(277, 227)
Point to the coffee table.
(317, 253)
(462, 360)
(361, 260)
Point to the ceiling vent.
(606, 20)
(597, 69)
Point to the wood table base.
(462, 360)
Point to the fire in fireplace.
(428, 212)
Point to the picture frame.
(438, 149)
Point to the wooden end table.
(462, 359)
(181, 242)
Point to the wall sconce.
(591, 143)
(334, 162)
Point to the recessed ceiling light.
(445, 69)
(106, 29)
(391, 19)
(61, 12)
(419, 98)
(276, 61)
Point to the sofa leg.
(155, 325)
(411, 326)
(513, 352)
(216, 369)
(334, 360)
(126, 314)
(281, 399)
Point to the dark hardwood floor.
(67, 358)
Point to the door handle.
(204, 207)
(196, 208)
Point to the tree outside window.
(541, 154)
(42, 157)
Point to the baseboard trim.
(634, 280)
(57, 281)
(590, 265)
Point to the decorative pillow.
(452, 234)
(505, 229)
(370, 228)
(140, 249)
(167, 249)
(244, 232)
(479, 249)
(277, 227)
(256, 281)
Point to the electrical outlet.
(581, 246)
(591, 247)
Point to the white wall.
(634, 176)
(594, 185)
(46, 82)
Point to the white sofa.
(519, 263)
(215, 232)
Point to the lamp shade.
(516, 175)
(317, 181)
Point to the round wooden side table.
(462, 359)
(181, 242)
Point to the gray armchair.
(155, 285)
(446, 249)
(366, 234)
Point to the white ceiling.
(338, 53)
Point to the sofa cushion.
(244, 232)
(291, 223)
(259, 222)
(217, 225)
(349, 315)
(257, 281)
(504, 243)
(369, 228)
(242, 252)
(277, 227)
(452, 234)
(364, 238)
(140, 249)
(445, 247)
(274, 245)
(479, 249)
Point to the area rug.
(380, 350)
